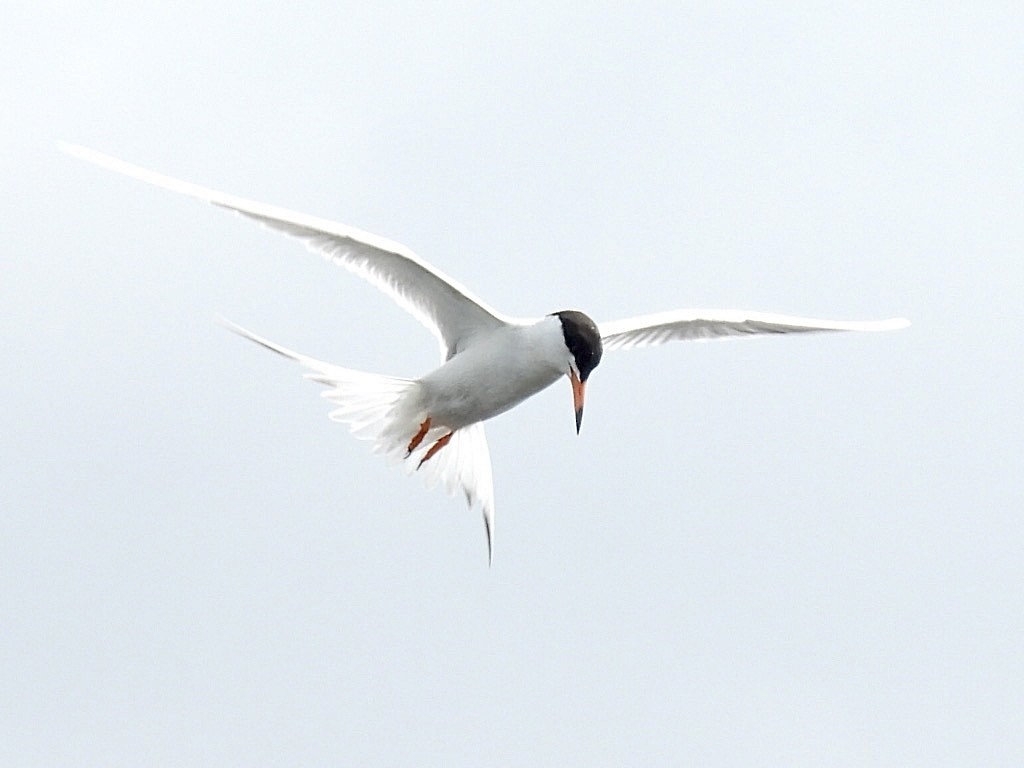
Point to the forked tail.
(388, 410)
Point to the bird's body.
(494, 372)
(490, 362)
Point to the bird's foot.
(418, 438)
(435, 448)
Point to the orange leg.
(435, 448)
(418, 437)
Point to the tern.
(490, 362)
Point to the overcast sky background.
(783, 551)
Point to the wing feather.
(708, 324)
(449, 310)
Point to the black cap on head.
(583, 340)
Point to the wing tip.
(895, 324)
(88, 154)
(71, 148)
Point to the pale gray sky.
(801, 551)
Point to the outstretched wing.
(707, 324)
(449, 310)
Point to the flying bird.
(490, 362)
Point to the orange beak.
(578, 392)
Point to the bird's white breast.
(495, 372)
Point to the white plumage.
(490, 362)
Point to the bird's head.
(584, 350)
